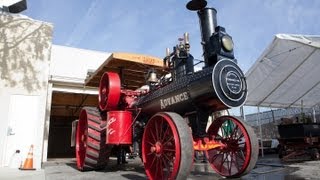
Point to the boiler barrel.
(217, 88)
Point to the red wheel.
(240, 154)
(167, 149)
(91, 150)
(109, 91)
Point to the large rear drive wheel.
(167, 148)
(241, 151)
(91, 151)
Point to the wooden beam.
(72, 99)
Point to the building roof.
(71, 65)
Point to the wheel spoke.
(234, 132)
(153, 160)
(237, 165)
(228, 162)
(167, 166)
(241, 136)
(163, 162)
(171, 150)
(165, 133)
(222, 162)
(242, 156)
(157, 162)
(157, 133)
(152, 144)
(161, 127)
(161, 167)
(165, 156)
(165, 143)
(153, 137)
(214, 157)
(231, 158)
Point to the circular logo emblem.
(234, 83)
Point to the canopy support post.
(242, 113)
(314, 115)
(273, 119)
(260, 131)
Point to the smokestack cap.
(195, 5)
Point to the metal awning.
(286, 74)
(133, 67)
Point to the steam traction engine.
(168, 117)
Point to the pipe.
(208, 23)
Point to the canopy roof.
(287, 74)
(133, 68)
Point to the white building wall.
(72, 64)
(68, 70)
(25, 46)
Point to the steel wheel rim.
(161, 148)
(235, 157)
(81, 139)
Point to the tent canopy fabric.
(287, 74)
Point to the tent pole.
(314, 115)
(272, 113)
(260, 131)
(242, 113)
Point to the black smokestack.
(208, 23)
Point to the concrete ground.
(267, 168)
(16, 174)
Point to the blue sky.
(148, 27)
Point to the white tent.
(286, 74)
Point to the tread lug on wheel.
(167, 148)
(240, 154)
(91, 151)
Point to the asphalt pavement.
(269, 167)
